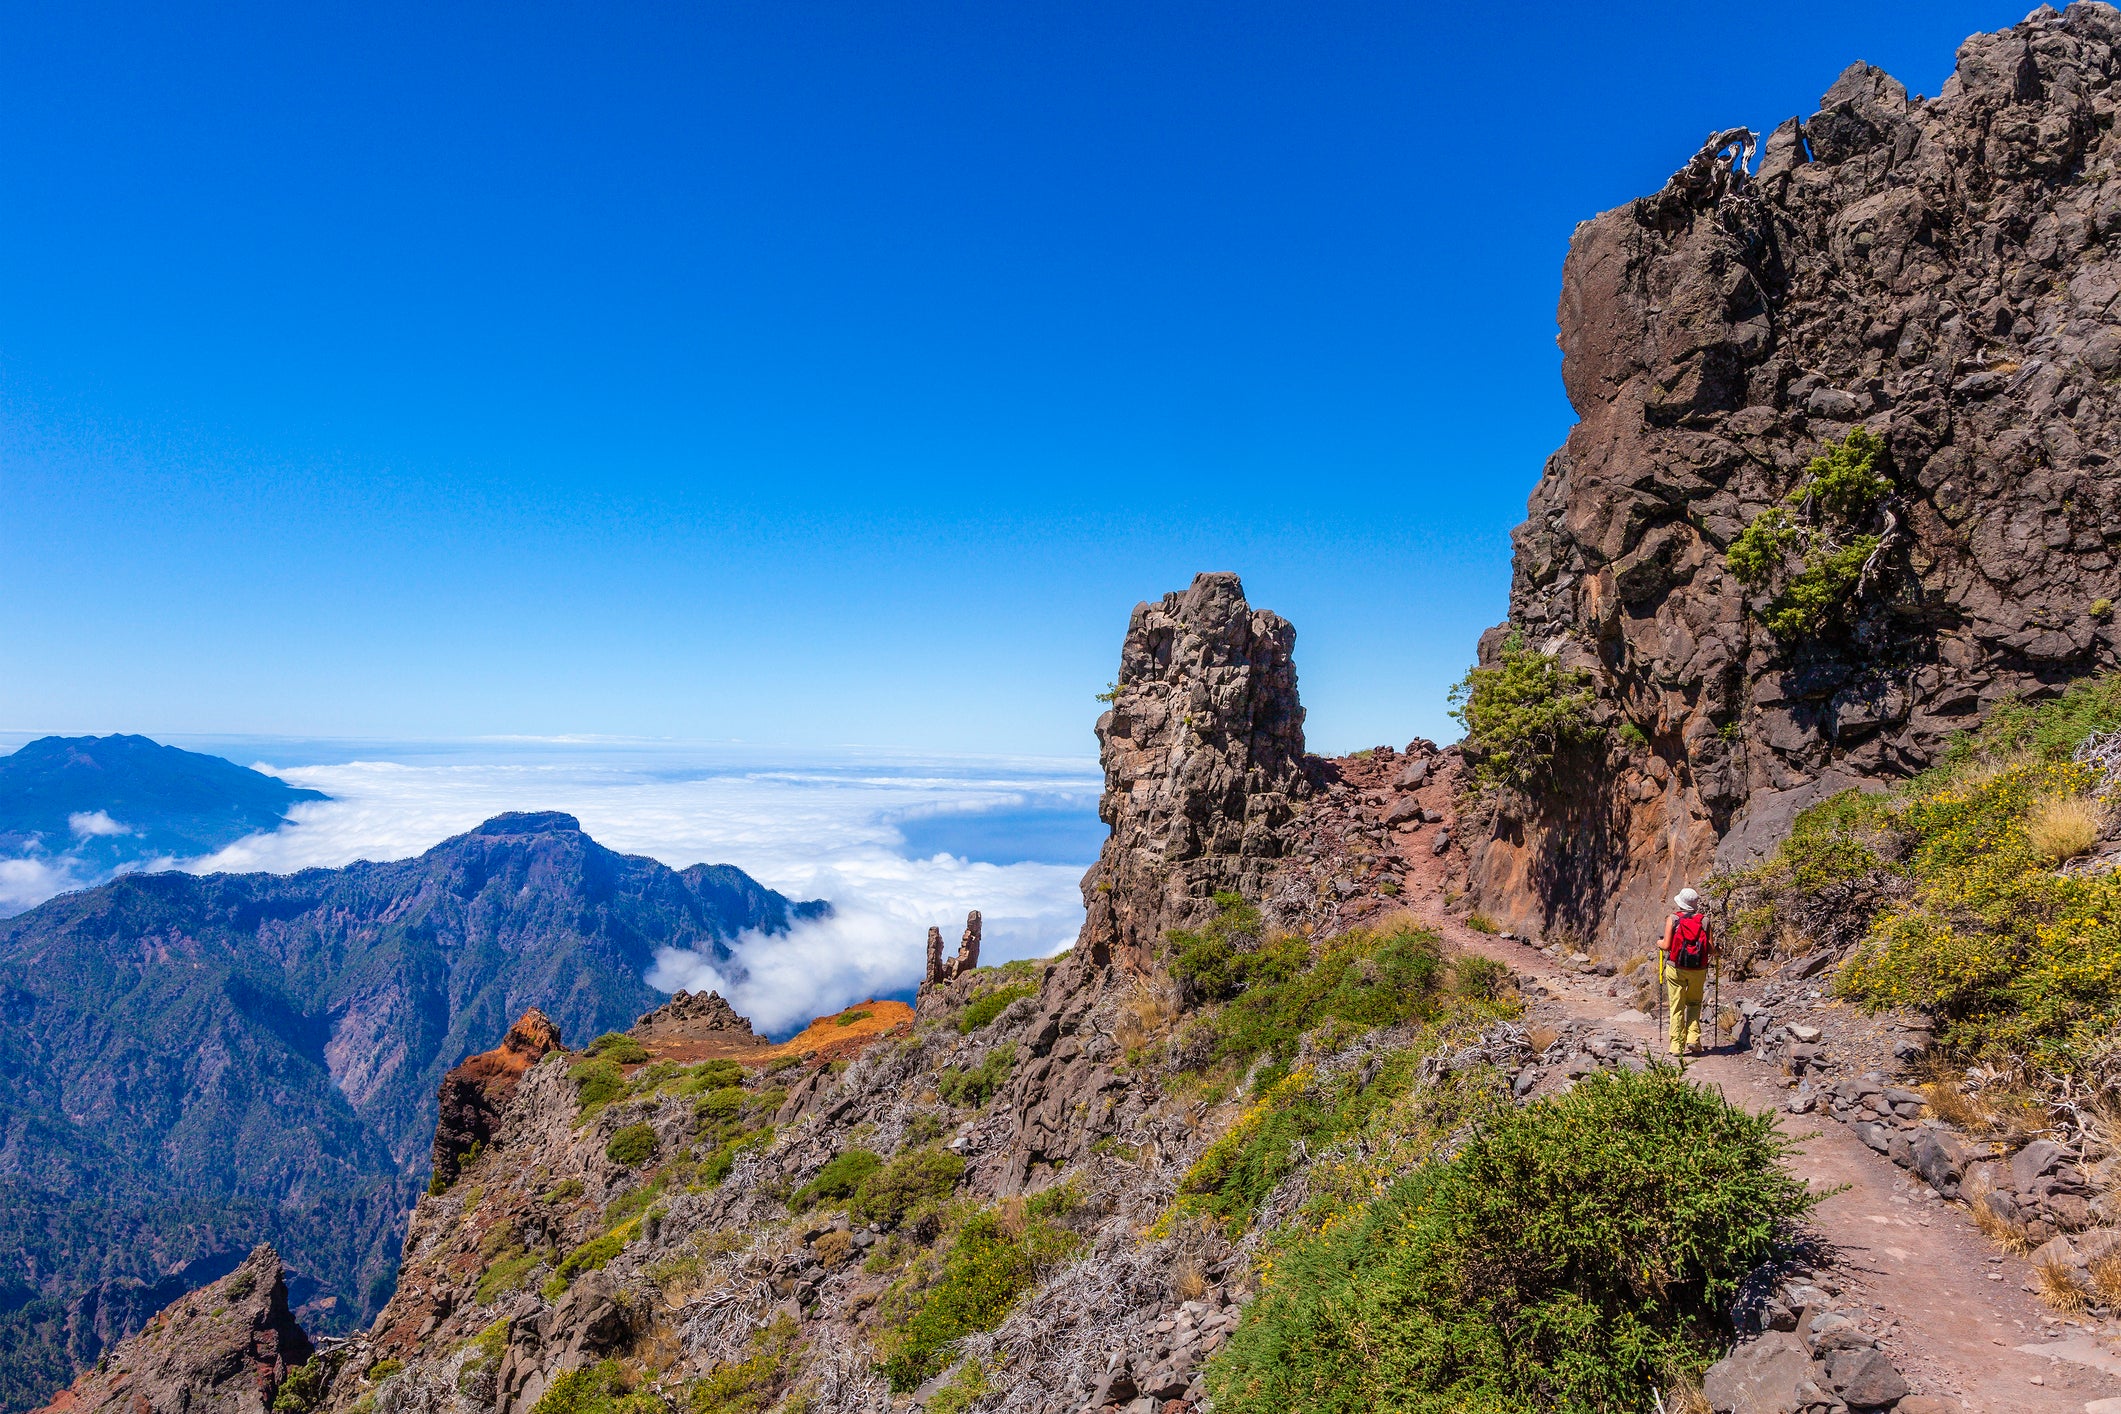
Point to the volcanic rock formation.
(1203, 752)
(1941, 272)
(473, 1092)
(224, 1349)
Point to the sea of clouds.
(895, 843)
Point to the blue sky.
(795, 372)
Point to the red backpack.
(1690, 941)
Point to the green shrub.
(1297, 1116)
(603, 1388)
(1818, 523)
(848, 1018)
(565, 1191)
(617, 1047)
(597, 1081)
(965, 1388)
(1575, 1256)
(985, 1272)
(1477, 978)
(508, 1272)
(751, 1385)
(590, 1256)
(710, 1075)
(1480, 923)
(985, 1008)
(383, 1370)
(720, 1107)
(837, 1180)
(303, 1389)
(1356, 982)
(2050, 729)
(716, 1166)
(970, 1089)
(1217, 962)
(1521, 713)
(1632, 737)
(911, 1179)
(632, 1146)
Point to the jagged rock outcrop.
(693, 1014)
(473, 1093)
(1203, 752)
(223, 1349)
(967, 959)
(1942, 272)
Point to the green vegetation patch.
(837, 1180)
(1952, 882)
(989, 1005)
(1576, 1256)
(510, 1271)
(603, 1388)
(632, 1146)
(989, 1265)
(750, 1385)
(592, 1255)
(1521, 712)
(597, 1082)
(1275, 990)
(617, 1047)
(971, 1087)
(913, 1179)
(1812, 544)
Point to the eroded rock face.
(693, 1013)
(223, 1349)
(474, 1092)
(1203, 756)
(1943, 272)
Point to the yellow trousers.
(1682, 988)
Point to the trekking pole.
(1716, 1003)
(1664, 1011)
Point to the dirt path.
(1917, 1266)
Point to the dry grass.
(1146, 1016)
(2106, 1280)
(2065, 826)
(1686, 1398)
(1541, 1039)
(2010, 1236)
(834, 1248)
(1481, 923)
(1189, 1280)
(1950, 1103)
(2058, 1286)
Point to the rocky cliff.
(1942, 272)
(224, 1349)
(1203, 753)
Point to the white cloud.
(86, 823)
(819, 829)
(31, 880)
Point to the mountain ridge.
(260, 1053)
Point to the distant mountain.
(87, 806)
(192, 1065)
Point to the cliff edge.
(1941, 273)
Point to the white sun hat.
(1686, 901)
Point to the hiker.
(1684, 959)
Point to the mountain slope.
(258, 1055)
(102, 802)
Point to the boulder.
(1760, 1377)
(1864, 1378)
(2035, 1161)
